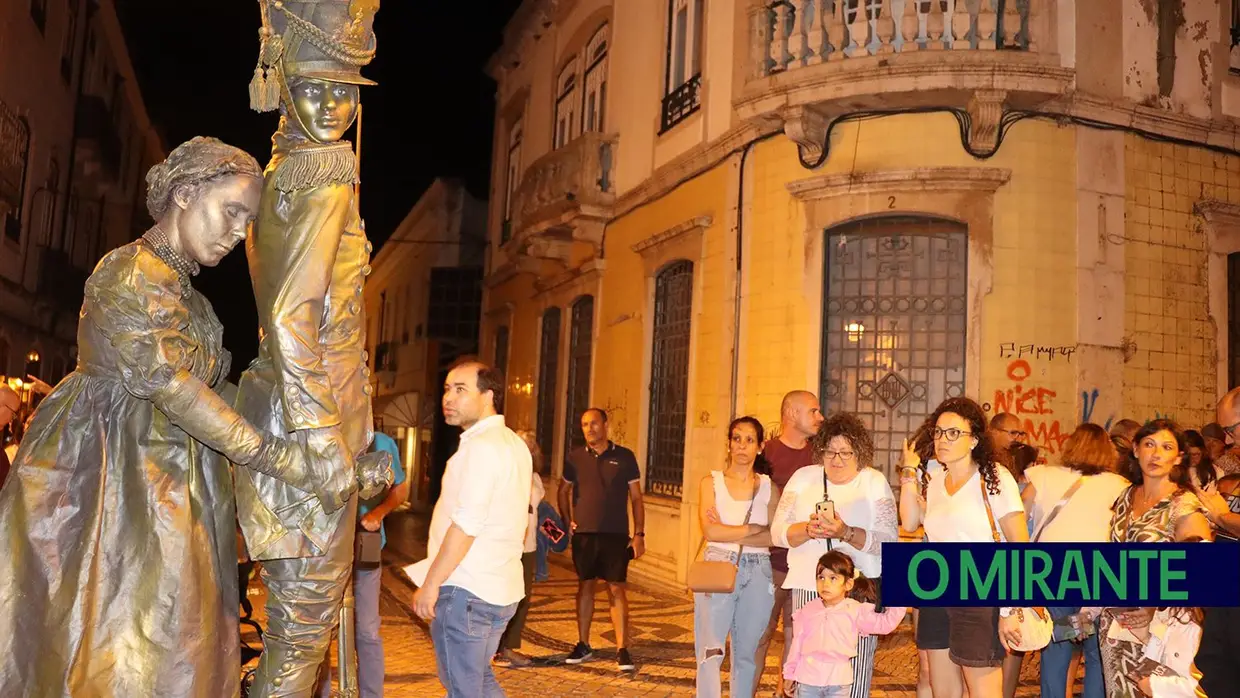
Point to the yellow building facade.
(963, 199)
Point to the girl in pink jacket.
(824, 638)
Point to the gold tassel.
(258, 90)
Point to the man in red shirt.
(799, 418)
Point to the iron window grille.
(895, 315)
(548, 370)
(669, 379)
(681, 103)
(580, 354)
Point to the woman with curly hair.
(841, 504)
(970, 499)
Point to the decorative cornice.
(693, 224)
(1218, 212)
(511, 268)
(696, 160)
(936, 179)
(587, 272)
(524, 28)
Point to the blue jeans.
(1058, 655)
(804, 691)
(366, 585)
(541, 572)
(466, 633)
(743, 614)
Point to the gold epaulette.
(312, 165)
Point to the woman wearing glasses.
(842, 504)
(968, 500)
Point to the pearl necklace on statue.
(186, 269)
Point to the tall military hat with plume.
(321, 39)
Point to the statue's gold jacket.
(308, 257)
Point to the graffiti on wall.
(1032, 402)
(1036, 352)
(1089, 403)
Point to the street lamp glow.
(32, 357)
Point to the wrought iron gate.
(895, 312)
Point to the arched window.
(895, 297)
(548, 372)
(669, 378)
(566, 105)
(580, 354)
(513, 178)
(595, 98)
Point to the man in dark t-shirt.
(600, 481)
(799, 418)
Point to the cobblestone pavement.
(662, 643)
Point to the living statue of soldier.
(308, 258)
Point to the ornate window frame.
(962, 194)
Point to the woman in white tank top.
(735, 509)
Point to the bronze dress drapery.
(118, 561)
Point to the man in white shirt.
(471, 581)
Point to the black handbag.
(367, 549)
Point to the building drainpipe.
(736, 300)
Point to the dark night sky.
(430, 116)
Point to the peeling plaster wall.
(1141, 50)
(1169, 50)
(1194, 73)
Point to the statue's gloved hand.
(374, 474)
(330, 467)
(301, 468)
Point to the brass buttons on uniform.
(366, 270)
(367, 389)
(365, 356)
(277, 681)
(369, 247)
(355, 308)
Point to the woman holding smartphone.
(841, 504)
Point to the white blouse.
(865, 502)
(732, 511)
(961, 517)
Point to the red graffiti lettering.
(1046, 434)
(1033, 403)
(1019, 370)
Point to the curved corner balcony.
(815, 60)
(565, 197)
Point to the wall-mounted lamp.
(854, 330)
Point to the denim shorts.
(970, 635)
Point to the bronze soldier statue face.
(325, 109)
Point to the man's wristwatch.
(1004, 612)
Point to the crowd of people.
(800, 519)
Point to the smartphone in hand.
(826, 509)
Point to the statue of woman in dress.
(118, 563)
